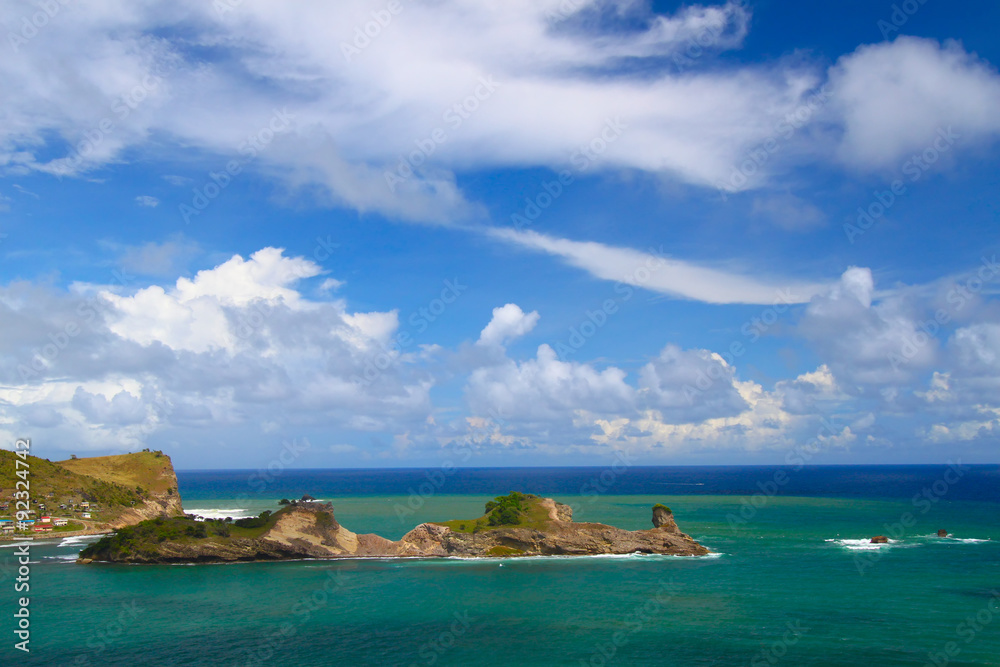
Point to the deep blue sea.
(793, 578)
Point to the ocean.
(793, 578)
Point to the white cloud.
(866, 343)
(558, 80)
(236, 346)
(656, 272)
(508, 322)
(147, 201)
(894, 97)
(689, 386)
(546, 389)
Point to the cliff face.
(164, 499)
(309, 530)
(151, 473)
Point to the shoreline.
(59, 536)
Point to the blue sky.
(520, 233)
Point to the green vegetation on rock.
(142, 539)
(516, 509)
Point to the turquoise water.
(786, 587)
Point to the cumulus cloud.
(866, 343)
(147, 200)
(238, 344)
(241, 347)
(895, 97)
(689, 386)
(547, 389)
(508, 322)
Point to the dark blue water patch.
(935, 482)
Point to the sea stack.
(662, 516)
(880, 539)
(942, 533)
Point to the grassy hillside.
(111, 483)
(143, 469)
(515, 509)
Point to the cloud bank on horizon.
(672, 198)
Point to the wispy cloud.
(656, 272)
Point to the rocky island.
(517, 524)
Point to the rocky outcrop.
(880, 539)
(309, 530)
(942, 533)
(662, 516)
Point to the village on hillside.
(72, 515)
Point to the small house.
(86, 515)
(7, 528)
(60, 522)
(45, 519)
